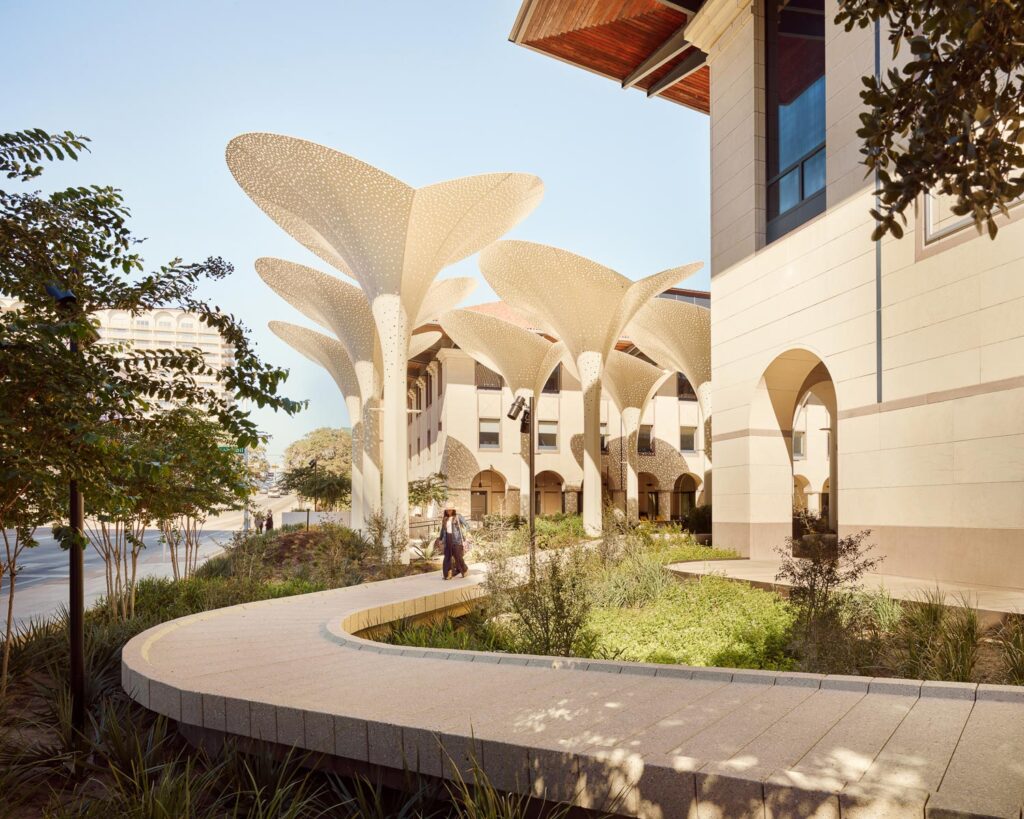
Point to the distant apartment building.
(164, 328)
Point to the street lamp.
(524, 407)
(312, 463)
(67, 301)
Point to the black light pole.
(526, 426)
(313, 463)
(66, 301)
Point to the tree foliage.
(328, 489)
(433, 488)
(332, 449)
(950, 118)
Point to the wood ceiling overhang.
(638, 43)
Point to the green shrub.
(698, 520)
(1010, 640)
(710, 621)
(934, 641)
(639, 577)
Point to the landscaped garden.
(615, 599)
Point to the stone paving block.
(667, 787)
(720, 674)
(507, 765)
(351, 738)
(949, 690)
(908, 688)
(554, 775)
(422, 751)
(263, 721)
(138, 688)
(792, 793)
(214, 712)
(237, 716)
(846, 682)
(461, 757)
(318, 732)
(165, 699)
(608, 781)
(604, 666)
(970, 806)
(385, 745)
(1000, 693)
(191, 708)
(753, 675)
(677, 671)
(860, 801)
(290, 728)
(731, 796)
(800, 679)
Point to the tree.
(318, 483)
(332, 449)
(203, 475)
(951, 119)
(69, 401)
(433, 488)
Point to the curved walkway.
(644, 740)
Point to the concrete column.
(355, 418)
(664, 504)
(393, 329)
(371, 458)
(833, 473)
(589, 366)
(630, 426)
(524, 475)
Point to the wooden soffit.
(622, 40)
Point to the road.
(42, 586)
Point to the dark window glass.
(604, 437)
(795, 71)
(645, 440)
(684, 389)
(547, 435)
(430, 389)
(554, 382)
(487, 379)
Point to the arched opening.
(548, 498)
(684, 495)
(825, 495)
(793, 431)
(800, 493)
(487, 494)
(648, 497)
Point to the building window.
(554, 382)
(547, 435)
(418, 447)
(419, 398)
(487, 379)
(799, 445)
(428, 439)
(795, 80)
(604, 437)
(440, 377)
(645, 440)
(688, 439)
(684, 389)
(430, 389)
(164, 323)
(490, 433)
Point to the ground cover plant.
(131, 762)
(614, 599)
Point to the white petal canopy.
(630, 381)
(523, 358)
(583, 303)
(677, 335)
(421, 342)
(387, 235)
(328, 352)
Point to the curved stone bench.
(639, 739)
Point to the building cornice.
(712, 21)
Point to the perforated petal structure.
(677, 335)
(521, 357)
(331, 354)
(390, 237)
(584, 304)
(631, 383)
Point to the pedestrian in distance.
(452, 538)
(270, 520)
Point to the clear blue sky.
(426, 91)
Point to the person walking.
(270, 520)
(453, 537)
(260, 517)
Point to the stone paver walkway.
(993, 600)
(642, 740)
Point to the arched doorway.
(793, 419)
(684, 495)
(548, 493)
(800, 487)
(648, 497)
(826, 495)
(487, 494)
